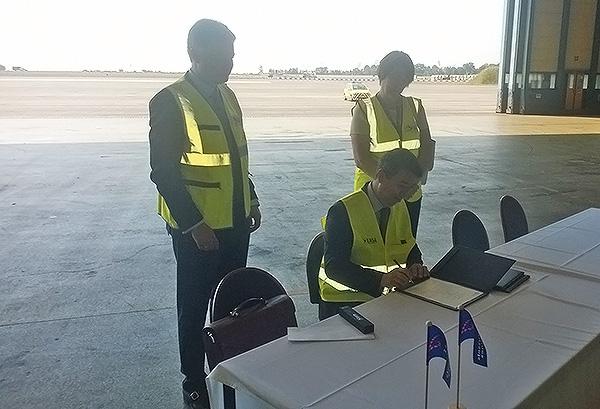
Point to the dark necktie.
(384, 216)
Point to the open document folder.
(461, 277)
(444, 293)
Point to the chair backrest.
(241, 285)
(469, 231)
(514, 221)
(313, 265)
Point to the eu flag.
(437, 347)
(468, 330)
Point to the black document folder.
(465, 275)
(472, 268)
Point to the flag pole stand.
(427, 324)
(457, 405)
(426, 385)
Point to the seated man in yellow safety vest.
(368, 236)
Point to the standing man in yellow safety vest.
(368, 234)
(390, 120)
(199, 161)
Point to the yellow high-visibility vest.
(384, 136)
(206, 165)
(369, 249)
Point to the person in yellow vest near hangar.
(199, 162)
(391, 120)
(368, 233)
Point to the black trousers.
(198, 273)
(414, 211)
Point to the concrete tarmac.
(88, 277)
(109, 109)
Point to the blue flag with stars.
(468, 330)
(437, 347)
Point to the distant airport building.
(550, 60)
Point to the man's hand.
(205, 238)
(418, 272)
(255, 218)
(398, 278)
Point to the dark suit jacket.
(168, 141)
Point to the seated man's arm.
(415, 256)
(414, 263)
(338, 247)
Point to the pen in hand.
(410, 280)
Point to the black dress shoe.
(196, 399)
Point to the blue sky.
(133, 34)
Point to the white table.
(571, 245)
(542, 341)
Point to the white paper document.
(334, 329)
(444, 293)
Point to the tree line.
(420, 69)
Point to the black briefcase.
(254, 322)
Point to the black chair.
(314, 258)
(236, 287)
(313, 265)
(469, 231)
(241, 285)
(514, 221)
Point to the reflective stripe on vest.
(384, 137)
(206, 165)
(368, 247)
(383, 133)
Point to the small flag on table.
(468, 330)
(437, 347)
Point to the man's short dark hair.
(395, 61)
(206, 32)
(398, 160)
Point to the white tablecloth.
(542, 341)
(571, 245)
